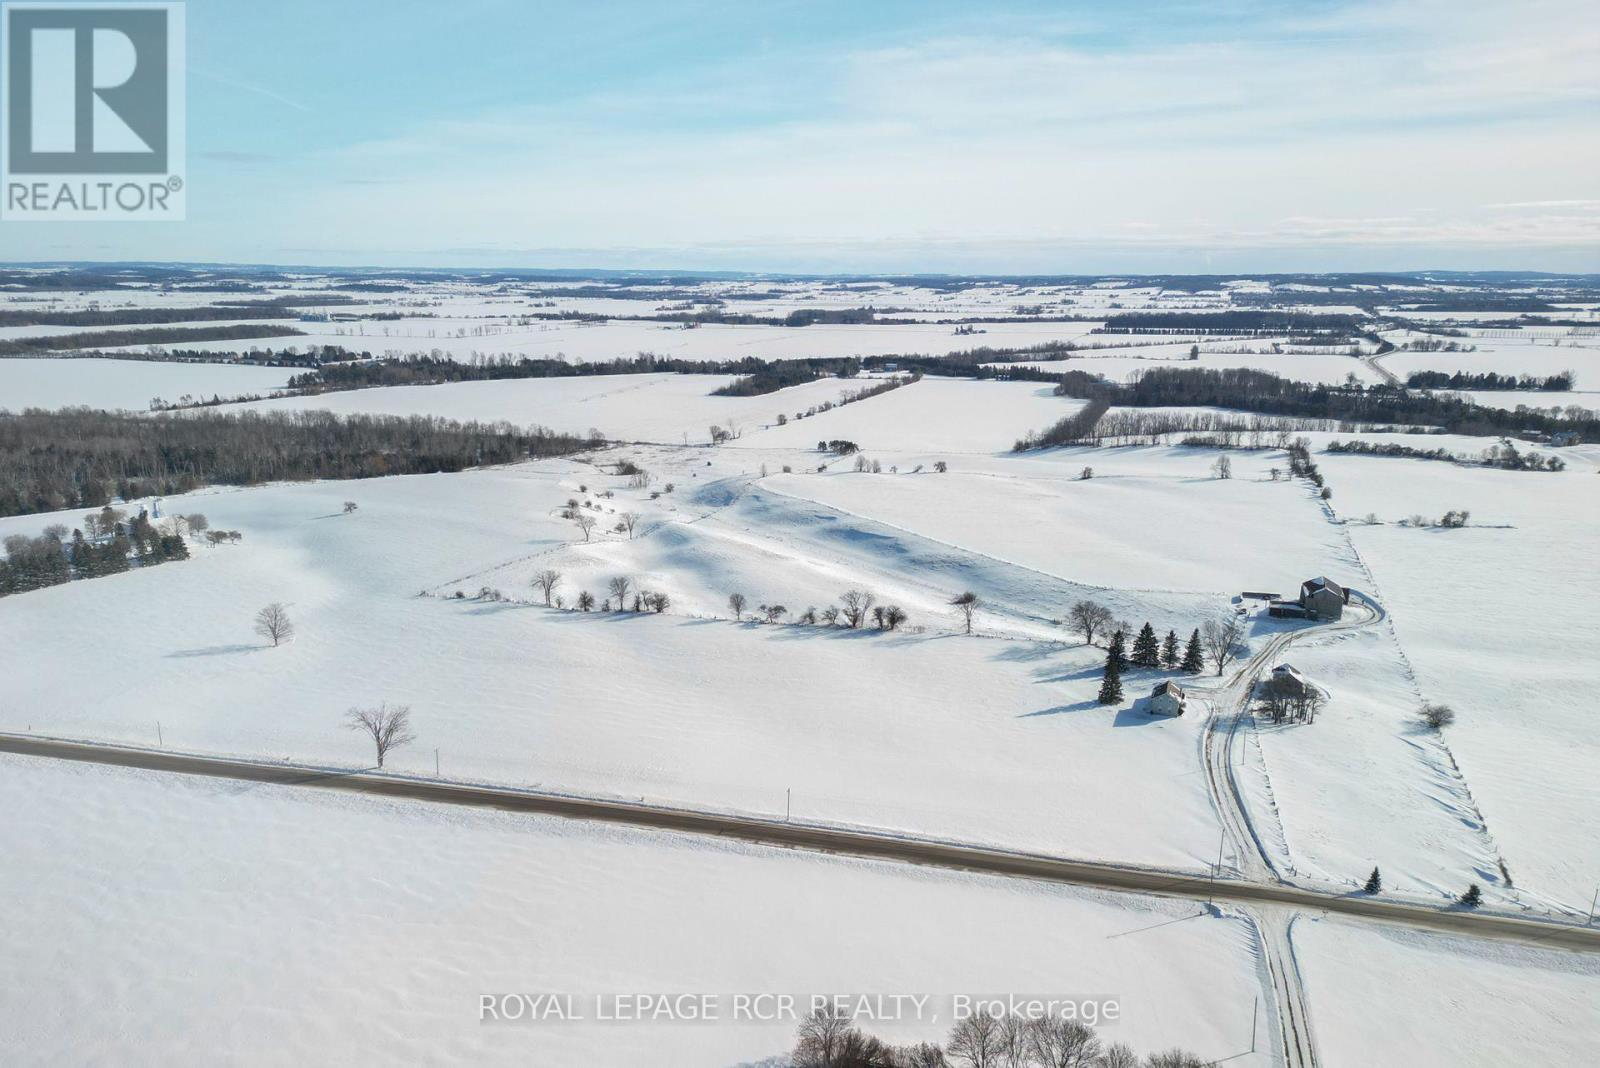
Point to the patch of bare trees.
(736, 603)
(829, 1039)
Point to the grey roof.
(1167, 687)
(1322, 582)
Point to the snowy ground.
(977, 738)
(662, 407)
(131, 384)
(1478, 614)
(196, 921)
(1429, 1001)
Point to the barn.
(1323, 598)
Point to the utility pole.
(436, 763)
(1591, 907)
(1254, 1012)
(788, 794)
(159, 743)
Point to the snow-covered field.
(660, 407)
(1430, 1001)
(196, 921)
(373, 926)
(579, 342)
(976, 738)
(130, 384)
(1480, 613)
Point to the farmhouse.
(1322, 598)
(1167, 699)
(1291, 682)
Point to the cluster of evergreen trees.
(1148, 652)
(114, 545)
(78, 457)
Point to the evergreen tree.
(1194, 661)
(1146, 651)
(1117, 652)
(1473, 897)
(1111, 684)
(1374, 883)
(1169, 650)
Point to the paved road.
(857, 843)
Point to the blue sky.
(882, 136)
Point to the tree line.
(1505, 456)
(32, 346)
(78, 457)
(145, 315)
(1261, 392)
(1558, 383)
(829, 1039)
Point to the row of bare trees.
(828, 1039)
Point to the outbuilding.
(1167, 699)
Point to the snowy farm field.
(623, 339)
(1150, 519)
(198, 921)
(1481, 614)
(1431, 1001)
(928, 732)
(669, 408)
(129, 384)
(1120, 364)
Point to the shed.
(1167, 699)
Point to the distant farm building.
(1320, 598)
(1167, 699)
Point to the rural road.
(842, 841)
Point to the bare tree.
(773, 612)
(657, 602)
(966, 603)
(736, 603)
(1054, 1042)
(629, 521)
(273, 623)
(388, 727)
(893, 616)
(349, 506)
(1223, 468)
(585, 601)
(1089, 618)
(618, 588)
(857, 603)
(975, 1041)
(1222, 639)
(585, 524)
(197, 522)
(1436, 716)
(1118, 1055)
(546, 582)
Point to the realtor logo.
(93, 111)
